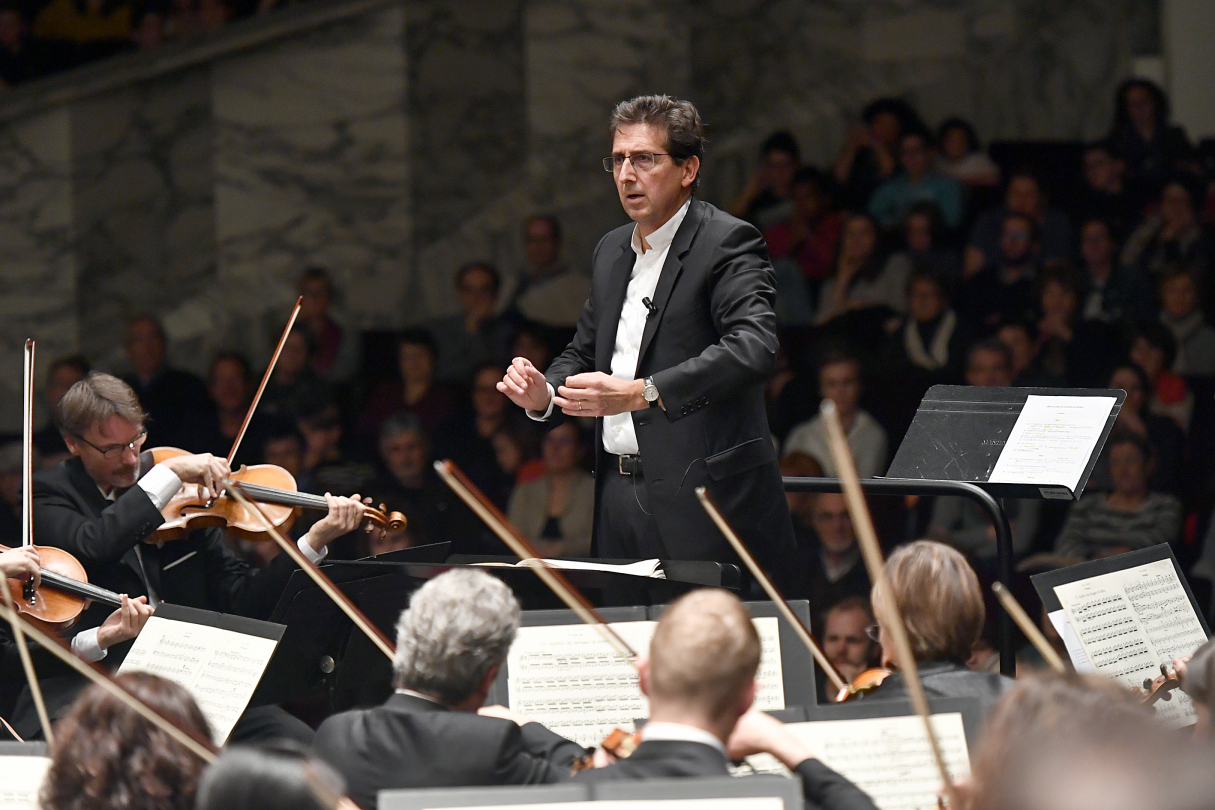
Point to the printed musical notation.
(887, 757)
(20, 780)
(220, 668)
(1130, 622)
(570, 680)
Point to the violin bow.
(769, 587)
(1031, 631)
(323, 582)
(492, 516)
(27, 535)
(240, 434)
(845, 466)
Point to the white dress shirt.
(652, 732)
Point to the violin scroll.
(1161, 687)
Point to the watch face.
(650, 392)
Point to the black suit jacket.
(409, 742)
(672, 759)
(710, 344)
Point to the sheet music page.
(1071, 642)
(570, 680)
(220, 668)
(1052, 441)
(741, 803)
(887, 757)
(20, 780)
(1132, 621)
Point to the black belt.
(627, 465)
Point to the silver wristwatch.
(650, 392)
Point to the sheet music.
(1130, 622)
(641, 568)
(887, 757)
(1052, 441)
(20, 780)
(220, 668)
(570, 680)
(740, 803)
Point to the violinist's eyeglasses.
(113, 451)
(642, 161)
(874, 631)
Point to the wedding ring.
(579, 404)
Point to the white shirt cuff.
(540, 417)
(161, 484)
(85, 646)
(312, 554)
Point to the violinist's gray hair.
(458, 627)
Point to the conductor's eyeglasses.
(113, 451)
(874, 631)
(642, 161)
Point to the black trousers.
(625, 527)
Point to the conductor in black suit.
(699, 677)
(451, 642)
(670, 356)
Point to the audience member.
(273, 778)
(1105, 195)
(1141, 133)
(295, 384)
(62, 375)
(918, 182)
(12, 459)
(230, 387)
(417, 392)
(869, 157)
(939, 599)
(1004, 290)
(1166, 440)
(768, 195)
(1114, 293)
(862, 277)
(475, 336)
(929, 342)
(432, 732)
(846, 642)
(532, 341)
(176, 400)
(547, 292)
(811, 234)
(517, 451)
(1023, 196)
(148, 28)
(839, 379)
(924, 242)
(829, 562)
(1154, 349)
(1131, 516)
(1173, 237)
(557, 512)
(467, 437)
(1021, 338)
(21, 58)
(105, 756)
(1180, 312)
(334, 353)
(989, 363)
(1070, 351)
(961, 155)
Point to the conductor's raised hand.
(205, 469)
(594, 393)
(525, 386)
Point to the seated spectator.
(547, 291)
(829, 564)
(1024, 196)
(962, 157)
(1114, 293)
(467, 437)
(929, 339)
(839, 378)
(1021, 338)
(1173, 237)
(811, 233)
(846, 642)
(1154, 349)
(334, 352)
(801, 504)
(1070, 351)
(1179, 311)
(989, 363)
(924, 242)
(917, 182)
(517, 451)
(869, 156)
(110, 755)
(432, 732)
(274, 778)
(1130, 516)
(230, 387)
(1153, 149)
(556, 512)
(149, 27)
(1165, 439)
(1004, 291)
(768, 196)
(533, 342)
(475, 336)
(62, 375)
(1105, 195)
(326, 466)
(295, 385)
(862, 277)
(176, 401)
(417, 391)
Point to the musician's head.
(846, 642)
(279, 776)
(105, 756)
(145, 345)
(664, 138)
(938, 596)
(701, 667)
(454, 636)
(104, 426)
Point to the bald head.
(704, 656)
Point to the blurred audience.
(62, 375)
(1152, 148)
(961, 156)
(334, 352)
(179, 410)
(917, 182)
(556, 512)
(416, 392)
(474, 336)
(839, 380)
(870, 153)
(862, 277)
(846, 642)
(547, 291)
(768, 195)
(1024, 196)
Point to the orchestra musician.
(275, 777)
(700, 681)
(670, 356)
(105, 500)
(433, 732)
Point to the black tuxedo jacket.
(710, 344)
(409, 742)
(673, 759)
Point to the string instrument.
(864, 683)
(1161, 687)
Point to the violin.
(864, 683)
(64, 594)
(620, 744)
(1161, 687)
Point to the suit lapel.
(671, 269)
(97, 504)
(609, 319)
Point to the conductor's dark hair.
(677, 118)
(782, 141)
(281, 777)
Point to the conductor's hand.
(758, 733)
(204, 469)
(22, 563)
(525, 386)
(594, 393)
(344, 516)
(125, 623)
